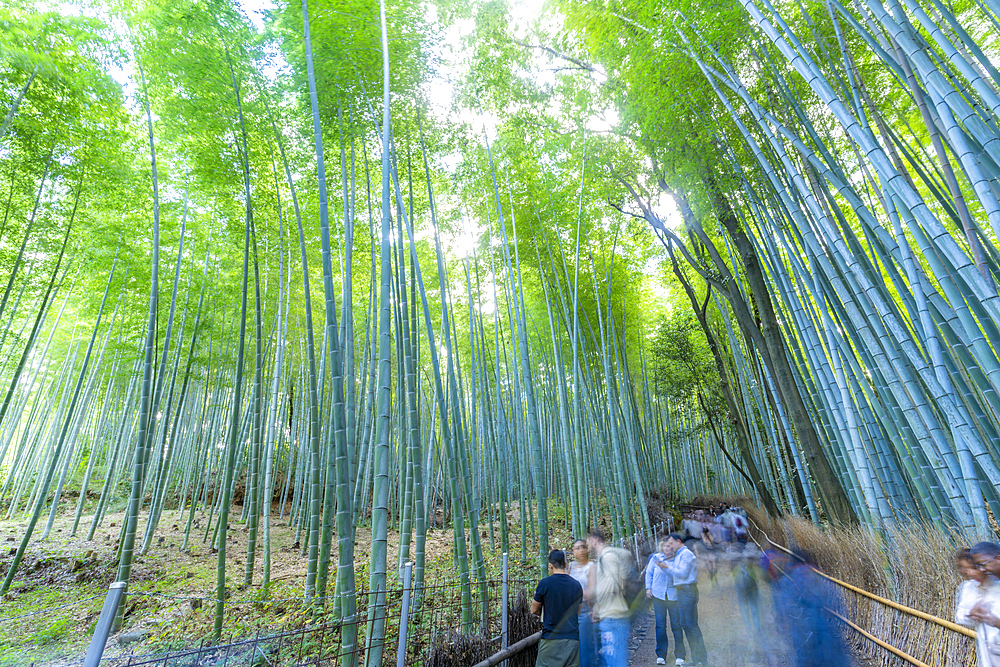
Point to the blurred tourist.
(709, 549)
(740, 528)
(977, 602)
(690, 527)
(727, 520)
(802, 598)
(605, 593)
(580, 569)
(987, 557)
(718, 531)
(775, 563)
(966, 566)
(747, 594)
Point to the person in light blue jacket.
(660, 587)
(683, 570)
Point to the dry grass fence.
(454, 649)
(914, 566)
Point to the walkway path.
(728, 642)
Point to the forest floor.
(50, 612)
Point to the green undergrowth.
(51, 610)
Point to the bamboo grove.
(273, 327)
(252, 276)
(853, 180)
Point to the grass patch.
(54, 632)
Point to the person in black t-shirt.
(557, 601)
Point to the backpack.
(630, 580)
(634, 586)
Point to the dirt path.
(728, 641)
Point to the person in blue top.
(660, 587)
(557, 601)
(802, 600)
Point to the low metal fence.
(413, 617)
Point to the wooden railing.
(945, 623)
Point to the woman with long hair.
(579, 569)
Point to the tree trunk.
(837, 505)
(739, 426)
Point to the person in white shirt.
(977, 602)
(579, 569)
(692, 527)
(718, 532)
(660, 587)
(683, 569)
(726, 521)
(740, 528)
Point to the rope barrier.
(945, 623)
(50, 609)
